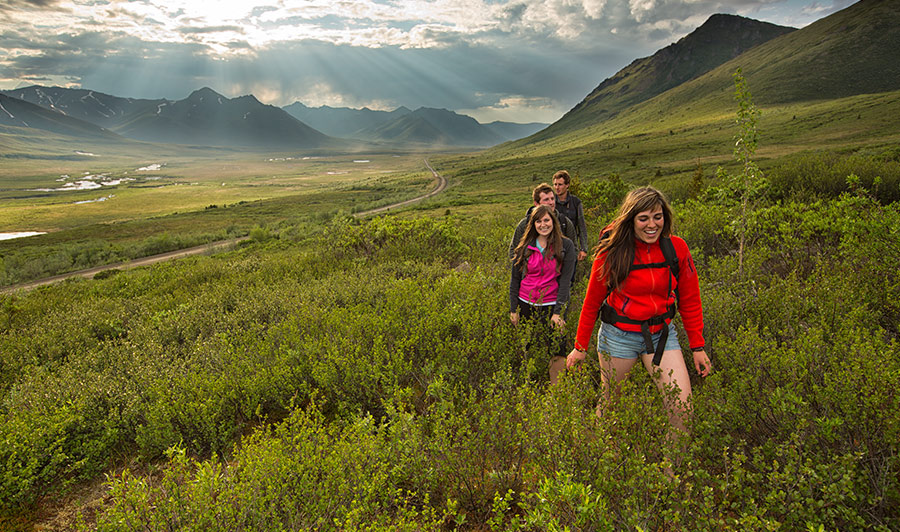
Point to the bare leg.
(557, 366)
(612, 371)
(673, 374)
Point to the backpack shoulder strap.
(671, 257)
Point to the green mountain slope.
(854, 51)
(799, 78)
(719, 39)
(851, 52)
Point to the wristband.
(696, 349)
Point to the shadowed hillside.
(434, 126)
(846, 55)
(31, 131)
(95, 107)
(206, 117)
(21, 114)
(342, 121)
(719, 39)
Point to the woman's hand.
(701, 363)
(575, 358)
(557, 321)
(514, 318)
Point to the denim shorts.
(627, 344)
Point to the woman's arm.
(689, 304)
(593, 298)
(515, 282)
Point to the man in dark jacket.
(570, 205)
(543, 195)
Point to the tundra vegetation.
(337, 374)
(181, 203)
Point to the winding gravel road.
(441, 185)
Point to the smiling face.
(648, 224)
(544, 225)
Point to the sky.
(511, 60)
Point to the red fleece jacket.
(644, 293)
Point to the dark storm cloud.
(548, 51)
(457, 77)
(239, 45)
(16, 4)
(105, 62)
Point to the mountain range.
(18, 113)
(203, 118)
(851, 52)
(424, 125)
(720, 39)
(208, 118)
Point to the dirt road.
(213, 247)
(441, 185)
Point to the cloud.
(535, 109)
(16, 4)
(817, 10)
(494, 56)
(211, 29)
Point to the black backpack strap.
(671, 257)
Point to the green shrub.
(823, 174)
(601, 197)
(353, 378)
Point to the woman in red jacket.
(634, 288)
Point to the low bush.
(36, 262)
(355, 378)
(601, 197)
(823, 174)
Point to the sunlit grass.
(185, 185)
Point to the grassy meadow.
(335, 373)
(157, 205)
(159, 187)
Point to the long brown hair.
(617, 240)
(554, 241)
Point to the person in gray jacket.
(542, 195)
(569, 205)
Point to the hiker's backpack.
(609, 314)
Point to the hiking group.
(641, 273)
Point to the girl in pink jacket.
(540, 278)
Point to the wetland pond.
(19, 234)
